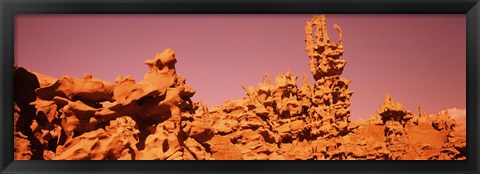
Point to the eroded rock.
(154, 119)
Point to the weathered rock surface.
(154, 119)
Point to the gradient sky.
(419, 59)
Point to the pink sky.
(419, 59)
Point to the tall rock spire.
(331, 97)
(324, 55)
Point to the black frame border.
(8, 9)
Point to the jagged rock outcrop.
(410, 136)
(331, 97)
(154, 119)
(112, 143)
(87, 118)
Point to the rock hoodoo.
(155, 119)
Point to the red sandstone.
(154, 119)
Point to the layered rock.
(154, 119)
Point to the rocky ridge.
(154, 119)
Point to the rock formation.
(154, 119)
(86, 118)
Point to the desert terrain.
(155, 119)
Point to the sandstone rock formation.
(154, 119)
(86, 118)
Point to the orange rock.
(222, 149)
(201, 131)
(197, 150)
(86, 88)
(161, 145)
(22, 147)
(155, 119)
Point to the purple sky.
(419, 59)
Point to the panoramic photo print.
(240, 87)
